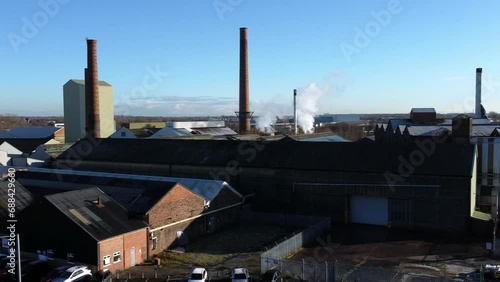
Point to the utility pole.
(493, 243)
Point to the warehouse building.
(336, 179)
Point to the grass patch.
(217, 248)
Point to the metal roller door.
(369, 210)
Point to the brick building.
(176, 210)
(83, 227)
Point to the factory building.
(344, 180)
(74, 109)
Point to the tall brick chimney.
(478, 109)
(92, 120)
(244, 113)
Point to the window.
(106, 260)
(154, 243)
(50, 254)
(70, 258)
(117, 257)
(123, 134)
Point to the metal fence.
(313, 271)
(291, 245)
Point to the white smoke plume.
(267, 111)
(307, 105)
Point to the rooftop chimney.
(478, 110)
(244, 113)
(92, 120)
(295, 124)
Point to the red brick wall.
(179, 203)
(123, 244)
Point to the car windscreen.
(196, 276)
(240, 276)
(66, 274)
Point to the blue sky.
(365, 56)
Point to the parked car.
(54, 273)
(272, 275)
(34, 270)
(73, 274)
(240, 275)
(199, 274)
(102, 276)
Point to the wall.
(74, 111)
(123, 244)
(178, 204)
(60, 234)
(106, 111)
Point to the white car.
(240, 275)
(199, 275)
(73, 273)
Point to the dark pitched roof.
(447, 159)
(25, 145)
(100, 221)
(23, 198)
(135, 195)
(33, 132)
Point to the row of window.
(106, 260)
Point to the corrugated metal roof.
(25, 145)
(427, 130)
(149, 188)
(23, 198)
(214, 131)
(33, 132)
(100, 221)
(448, 159)
(169, 132)
(332, 138)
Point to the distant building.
(74, 109)
(57, 133)
(322, 120)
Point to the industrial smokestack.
(295, 112)
(478, 110)
(244, 113)
(92, 126)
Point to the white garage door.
(369, 210)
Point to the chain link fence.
(291, 245)
(313, 271)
